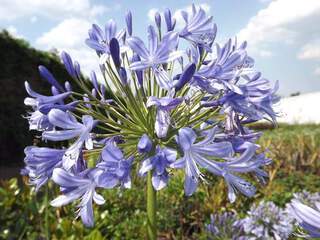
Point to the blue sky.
(283, 35)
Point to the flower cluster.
(268, 221)
(157, 108)
(225, 226)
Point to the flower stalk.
(151, 209)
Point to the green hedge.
(19, 63)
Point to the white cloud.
(151, 13)
(14, 32)
(69, 35)
(283, 21)
(310, 50)
(13, 9)
(265, 1)
(317, 71)
(33, 19)
(265, 53)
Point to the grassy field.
(295, 151)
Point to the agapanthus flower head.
(157, 106)
(226, 225)
(268, 221)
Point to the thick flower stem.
(151, 209)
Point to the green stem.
(151, 209)
(47, 213)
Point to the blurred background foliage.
(295, 151)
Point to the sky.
(283, 35)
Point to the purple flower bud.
(123, 76)
(44, 72)
(77, 69)
(94, 81)
(115, 52)
(180, 60)
(129, 22)
(94, 92)
(67, 86)
(157, 19)
(144, 144)
(86, 100)
(139, 73)
(67, 61)
(102, 90)
(185, 76)
(168, 19)
(173, 23)
(54, 90)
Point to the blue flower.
(164, 106)
(81, 186)
(222, 72)
(202, 154)
(116, 168)
(158, 53)
(40, 162)
(144, 144)
(254, 101)
(41, 102)
(199, 28)
(41, 105)
(159, 163)
(71, 129)
(99, 40)
(193, 154)
(307, 217)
